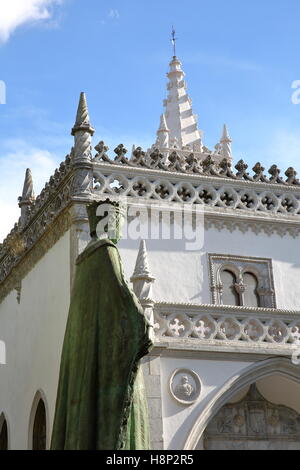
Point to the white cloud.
(12, 170)
(114, 14)
(14, 13)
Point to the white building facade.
(212, 254)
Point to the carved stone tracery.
(253, 424)
(240, 326)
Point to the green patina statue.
(101, 403)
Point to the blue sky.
(240, 60)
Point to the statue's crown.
(110, 214)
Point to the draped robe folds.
(101, 403)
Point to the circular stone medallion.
(185, 386)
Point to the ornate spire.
(142, 269)
(143, 282)
(179, 118)
(28, 193)
(142, 278)
(28, 196)
(82, 152)
(82, 131)
(82, 118)
(163, 134)
(226, 144)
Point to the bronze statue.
(101, 403)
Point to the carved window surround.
(260, 267)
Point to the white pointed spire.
(226, 144)
(180, 122)
(142, 268)
(82, 132)
(163, 132)
(28, 195)
(142, 278)
(142, 281)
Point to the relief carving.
(253, 423)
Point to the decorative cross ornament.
(173, 40)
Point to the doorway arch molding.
(278, 365)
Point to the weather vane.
(173, 40)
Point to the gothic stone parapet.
(242, 329)
(243, 204)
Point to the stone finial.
(82, 118)
(226, 142)
(82, 132)
(143, 282)
(225, 169)
(142, 265)
(241, 168)
(291, 175)
(208, 165)
(28, 193)
(274, 171)
(28, 196)
(121, 151)
(142, 279)
(163, 132)
(138, 157)
(82, 154)
(101, 150)
(259, 173)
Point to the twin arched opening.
(239, 292)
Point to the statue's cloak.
(101, 403)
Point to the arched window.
(251, 298)
(3, 433)
(229, 293)
(252, 279)
(39, 431)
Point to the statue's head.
(106, 219)
(184, 379)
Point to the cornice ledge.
(219, 346)
(222, 308)
(279, 224)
